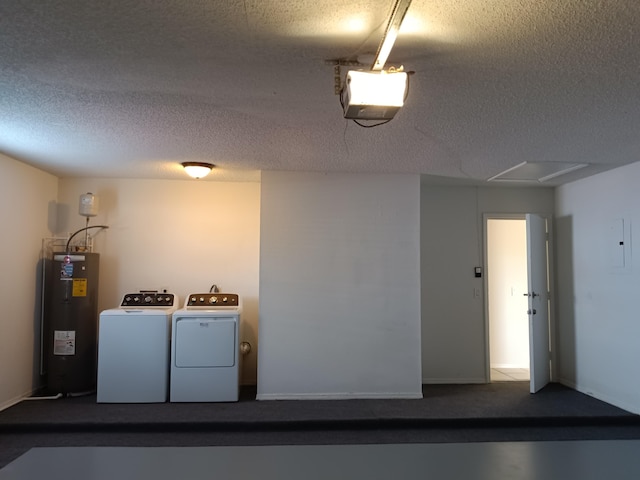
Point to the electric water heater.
(71, 320)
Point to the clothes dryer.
(205, 364)
(134, 349)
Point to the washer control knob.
(136, 299)
(213, 300)
(225, 299)
(202, 299)
(147, 299)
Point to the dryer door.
(205, 342)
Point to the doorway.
(507, 303)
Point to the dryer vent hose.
(245, 348)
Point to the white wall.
(339, 286)
(28, 197)
(180, 235)
(162, 234)
(599, 319)
(453, 317)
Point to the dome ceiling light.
(197, 169)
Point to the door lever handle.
(532, 294)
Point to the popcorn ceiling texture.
(131, 89)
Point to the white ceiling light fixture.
(197, 169)
(378, 94)
(374, 95)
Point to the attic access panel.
(536, 171)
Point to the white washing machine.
(205, 364)
(134, 343)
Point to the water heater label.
(66, 271)
(79, 287)
(64, 342)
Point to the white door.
(538, 296)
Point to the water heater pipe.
(81, 230)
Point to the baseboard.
(635, 409)
(338, 396)
(14, 401)
(453, 381)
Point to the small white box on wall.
(619, 245)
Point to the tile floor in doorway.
(509, 374)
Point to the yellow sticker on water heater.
(79, 287)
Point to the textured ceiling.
(131, 89)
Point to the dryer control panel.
(148, 299)
(212, 300)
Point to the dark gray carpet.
(447, 413)
(495, 404)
